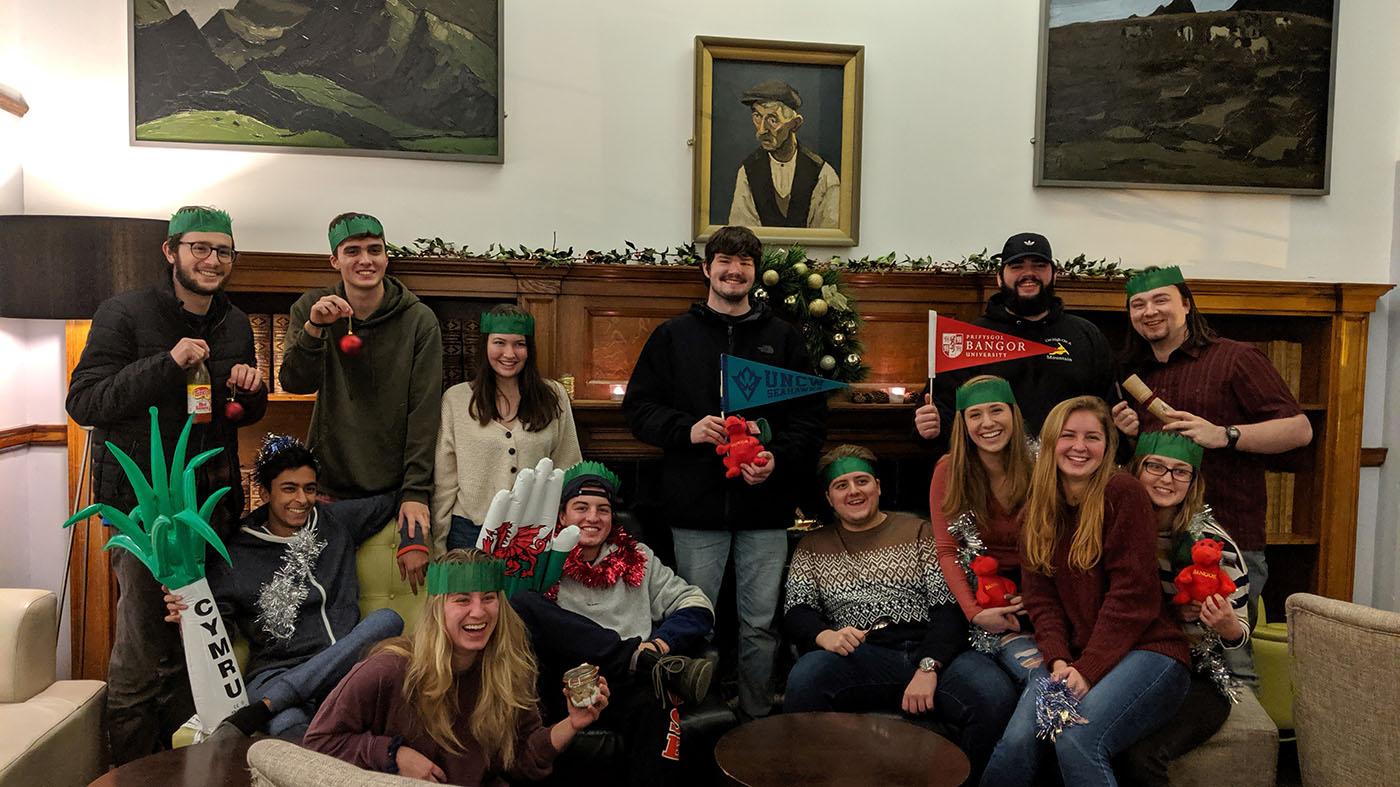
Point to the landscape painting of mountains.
(412, 78)
(1211, 95)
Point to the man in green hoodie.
(372, 353)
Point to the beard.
(1029, 307)
(188, 281)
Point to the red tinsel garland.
(627, 562)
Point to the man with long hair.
(372, 354)
(1026, 307)
(1228, 398)
(140, 351)
(673, 402)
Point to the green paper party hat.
(1172, 445)
(1151, 280)
(358, 224)
(522, 324)
(984, 391)
(484, 576)
(200, 220)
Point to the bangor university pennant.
(953, 344)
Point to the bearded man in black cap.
(783, 183)
(1027, 307)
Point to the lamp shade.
(62, 267)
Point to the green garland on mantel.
(807, 293)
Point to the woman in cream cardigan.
(506, 419)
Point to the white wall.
(599, 97)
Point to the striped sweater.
(1174, 554)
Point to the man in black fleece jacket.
(1026, 307)
(673, 402)
(292, 590)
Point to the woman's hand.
(999, 620)
(1217, 613)
(841, 642)
(580, 718)
(918, 695)
(415, 766)
(1189, 611)
(1078, 686)
(173, 605)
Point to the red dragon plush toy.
(742, 448)
(1203, 578)
(992, 590)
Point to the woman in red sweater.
(455, 702)
(1090, 569)
(982, 484)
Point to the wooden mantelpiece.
(592, 320)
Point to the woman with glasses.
(1090, 573)
(1168, 465)
(976, 501)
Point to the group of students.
(884, 605)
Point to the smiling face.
(989, 425)
(593, 515)
(290, 498)
(470, 619)
(361, 262)
(855, 497)
(731, 277)
(201, 276)
(506, 352)
(1079, 450)
(1159, 315)
(1159, 475)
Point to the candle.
(896, 394)
(618, 391)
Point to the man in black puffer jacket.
(138, 353)
(673, 402)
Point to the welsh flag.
(954, 344)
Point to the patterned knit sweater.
(841, 578)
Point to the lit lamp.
(897, 394)
(618, 391)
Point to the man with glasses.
(141, 347)
(372, 354)
(1228, 399)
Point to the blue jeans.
(296, 692)
(463, 533)
(1136, 697)
(759, 555)
(1019, 656)
(974, 693)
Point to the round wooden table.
(216, 763)
(838, 748)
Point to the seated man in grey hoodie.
(619, 607)
(291, 590)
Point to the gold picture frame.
(781, 86)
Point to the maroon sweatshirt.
(1091, 619)
(368, 709)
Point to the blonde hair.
(968, 487)
(507, 674)
(1189, 506)
(1046, 506)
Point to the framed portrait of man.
(777, 139)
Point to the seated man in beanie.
(291, 589)
(618, 607)
(866, 600)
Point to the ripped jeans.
(1017, 654)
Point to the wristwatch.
(1232, 436)
(930, 664)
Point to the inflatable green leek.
(167, 531)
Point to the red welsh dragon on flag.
(954, 344)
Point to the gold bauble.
(815, 281)
(800, 268)
(817, 307)
(770, 277)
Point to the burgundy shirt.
(1091, 619)
(1228, 383)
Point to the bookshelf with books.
(592, 320)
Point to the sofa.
(1245, 748)
(1346, 701)
(51, 731)
(279, 763)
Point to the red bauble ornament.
(350, 344)
(233, 411)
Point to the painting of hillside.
(1214, 95)
(413, 78)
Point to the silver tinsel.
(1209, 660)
(1198, 524)
(982, 640)
(1056, 709)
(1033, 443)
(280, 599)
(964, 529)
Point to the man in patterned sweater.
(293, 593)
(866, 599)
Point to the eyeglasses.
(1182, 474)
(201, 250)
